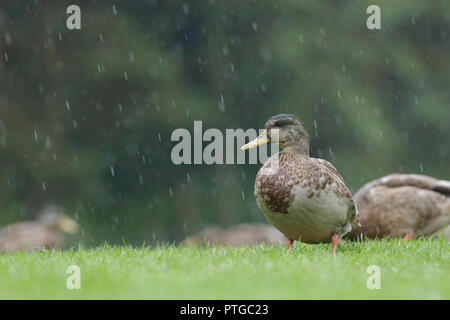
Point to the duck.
(403, 205)
(237, 235)
(305, 198)
(46, 232)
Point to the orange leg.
(289, 244)
(408, 236)
(335, 240)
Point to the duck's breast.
(303, 200)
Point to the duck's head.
(287, 131)
(55, 218)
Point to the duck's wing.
(403, 203)
(313, 174)
(329, 170)
(397, 180)
(28, 236)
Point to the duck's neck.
(300, 148)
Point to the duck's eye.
(279, 123)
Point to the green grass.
(419, 269)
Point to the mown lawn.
(419, 269)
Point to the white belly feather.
(311, 219)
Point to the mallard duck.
(403, 205)
(244, 234)
(303, 197)
(35, 235)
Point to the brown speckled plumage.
(304, 197)
(29, 236)
(244, 234)
(403, 203)
(276, 188)
(312, 174)
(45, 232)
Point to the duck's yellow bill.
(262, 139)
(68, 225)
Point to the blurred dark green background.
(86, 116)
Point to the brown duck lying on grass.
(44, 232)
(245, 234)
(406, 205)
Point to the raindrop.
(48, 142)
(188, 177)
(131, 55)
(170, 192)
(421, 167)
(141, 179)
(339, 94)
(113, 173)
(101, 37)
(255, 26)
(224, 50)
(43, 186)
(243, 195)
(159, 136)
(59, 36)
(6, 57)
(232, 66)
(185, 9)
(114, 10)
(222, 103)
(125, 75)
(8, 38)
(35, 135)
(75, 124)
(316, 132)
(67, 105)
(356, 97)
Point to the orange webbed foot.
(289, 244)
(408, 236)
(335, 241)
